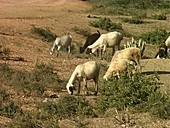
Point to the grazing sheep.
(118, 66)
(131, 53)
(63, 41)
(167, 42)
(86, 71)
(162, 53)
(90, 40)
(164, 50)
(122, 59)
(110, 39)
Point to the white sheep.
(86, 71)
(131, 53)
(121, 60)
(164, 50)
(167, 44)
(63, 41)
(110, 39)
(118, 66)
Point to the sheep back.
(115, 67)
(89, 70)
(65, 40)
(130, 53)
(167, 42)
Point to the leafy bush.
(30, 82)
(45, 34)
(133, 20)
(156, 37)
(34, 119)
(126, 91)
(4, 96)
(9, 109)
(159, 17)
(128, 7)
(139, 91)
(159, 105)
(5, 52)
(81, 31)
(68, 106)
(106, 24)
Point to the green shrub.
(126, 91)
(128, 7)
(68, 106)
(159, 17)
(133, 20)
(5, 52)
(4, 96)
(106, 24)
(45, 34)
(34, 119)
(156, 37)
(30, 82)
(159, 105)
(9, 109)
(81, 31)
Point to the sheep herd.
(120, 62)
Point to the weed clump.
(81, 31)
(156, 37)
(139, 90)
(68, 106)
(106, 24)
(30, 82)
(133, 20)
(159, 17)
(45, 34)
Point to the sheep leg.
(113, 51)
(69, 50)
(87, 93)
(58, 49)
(78, 91)
(96, 85)
(101, 52)
(97, 52)
(118, 47)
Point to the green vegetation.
(68, 106)
(106, 24)
(159, 16)
(138, 91)
(133, 20)
(156, 37)
(129, 7)
(45, 34)
(81, 31)
(31, 83)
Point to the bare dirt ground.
(17, 18)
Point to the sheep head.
(70, 88)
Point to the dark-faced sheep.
(164, 50)
(89, 41)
